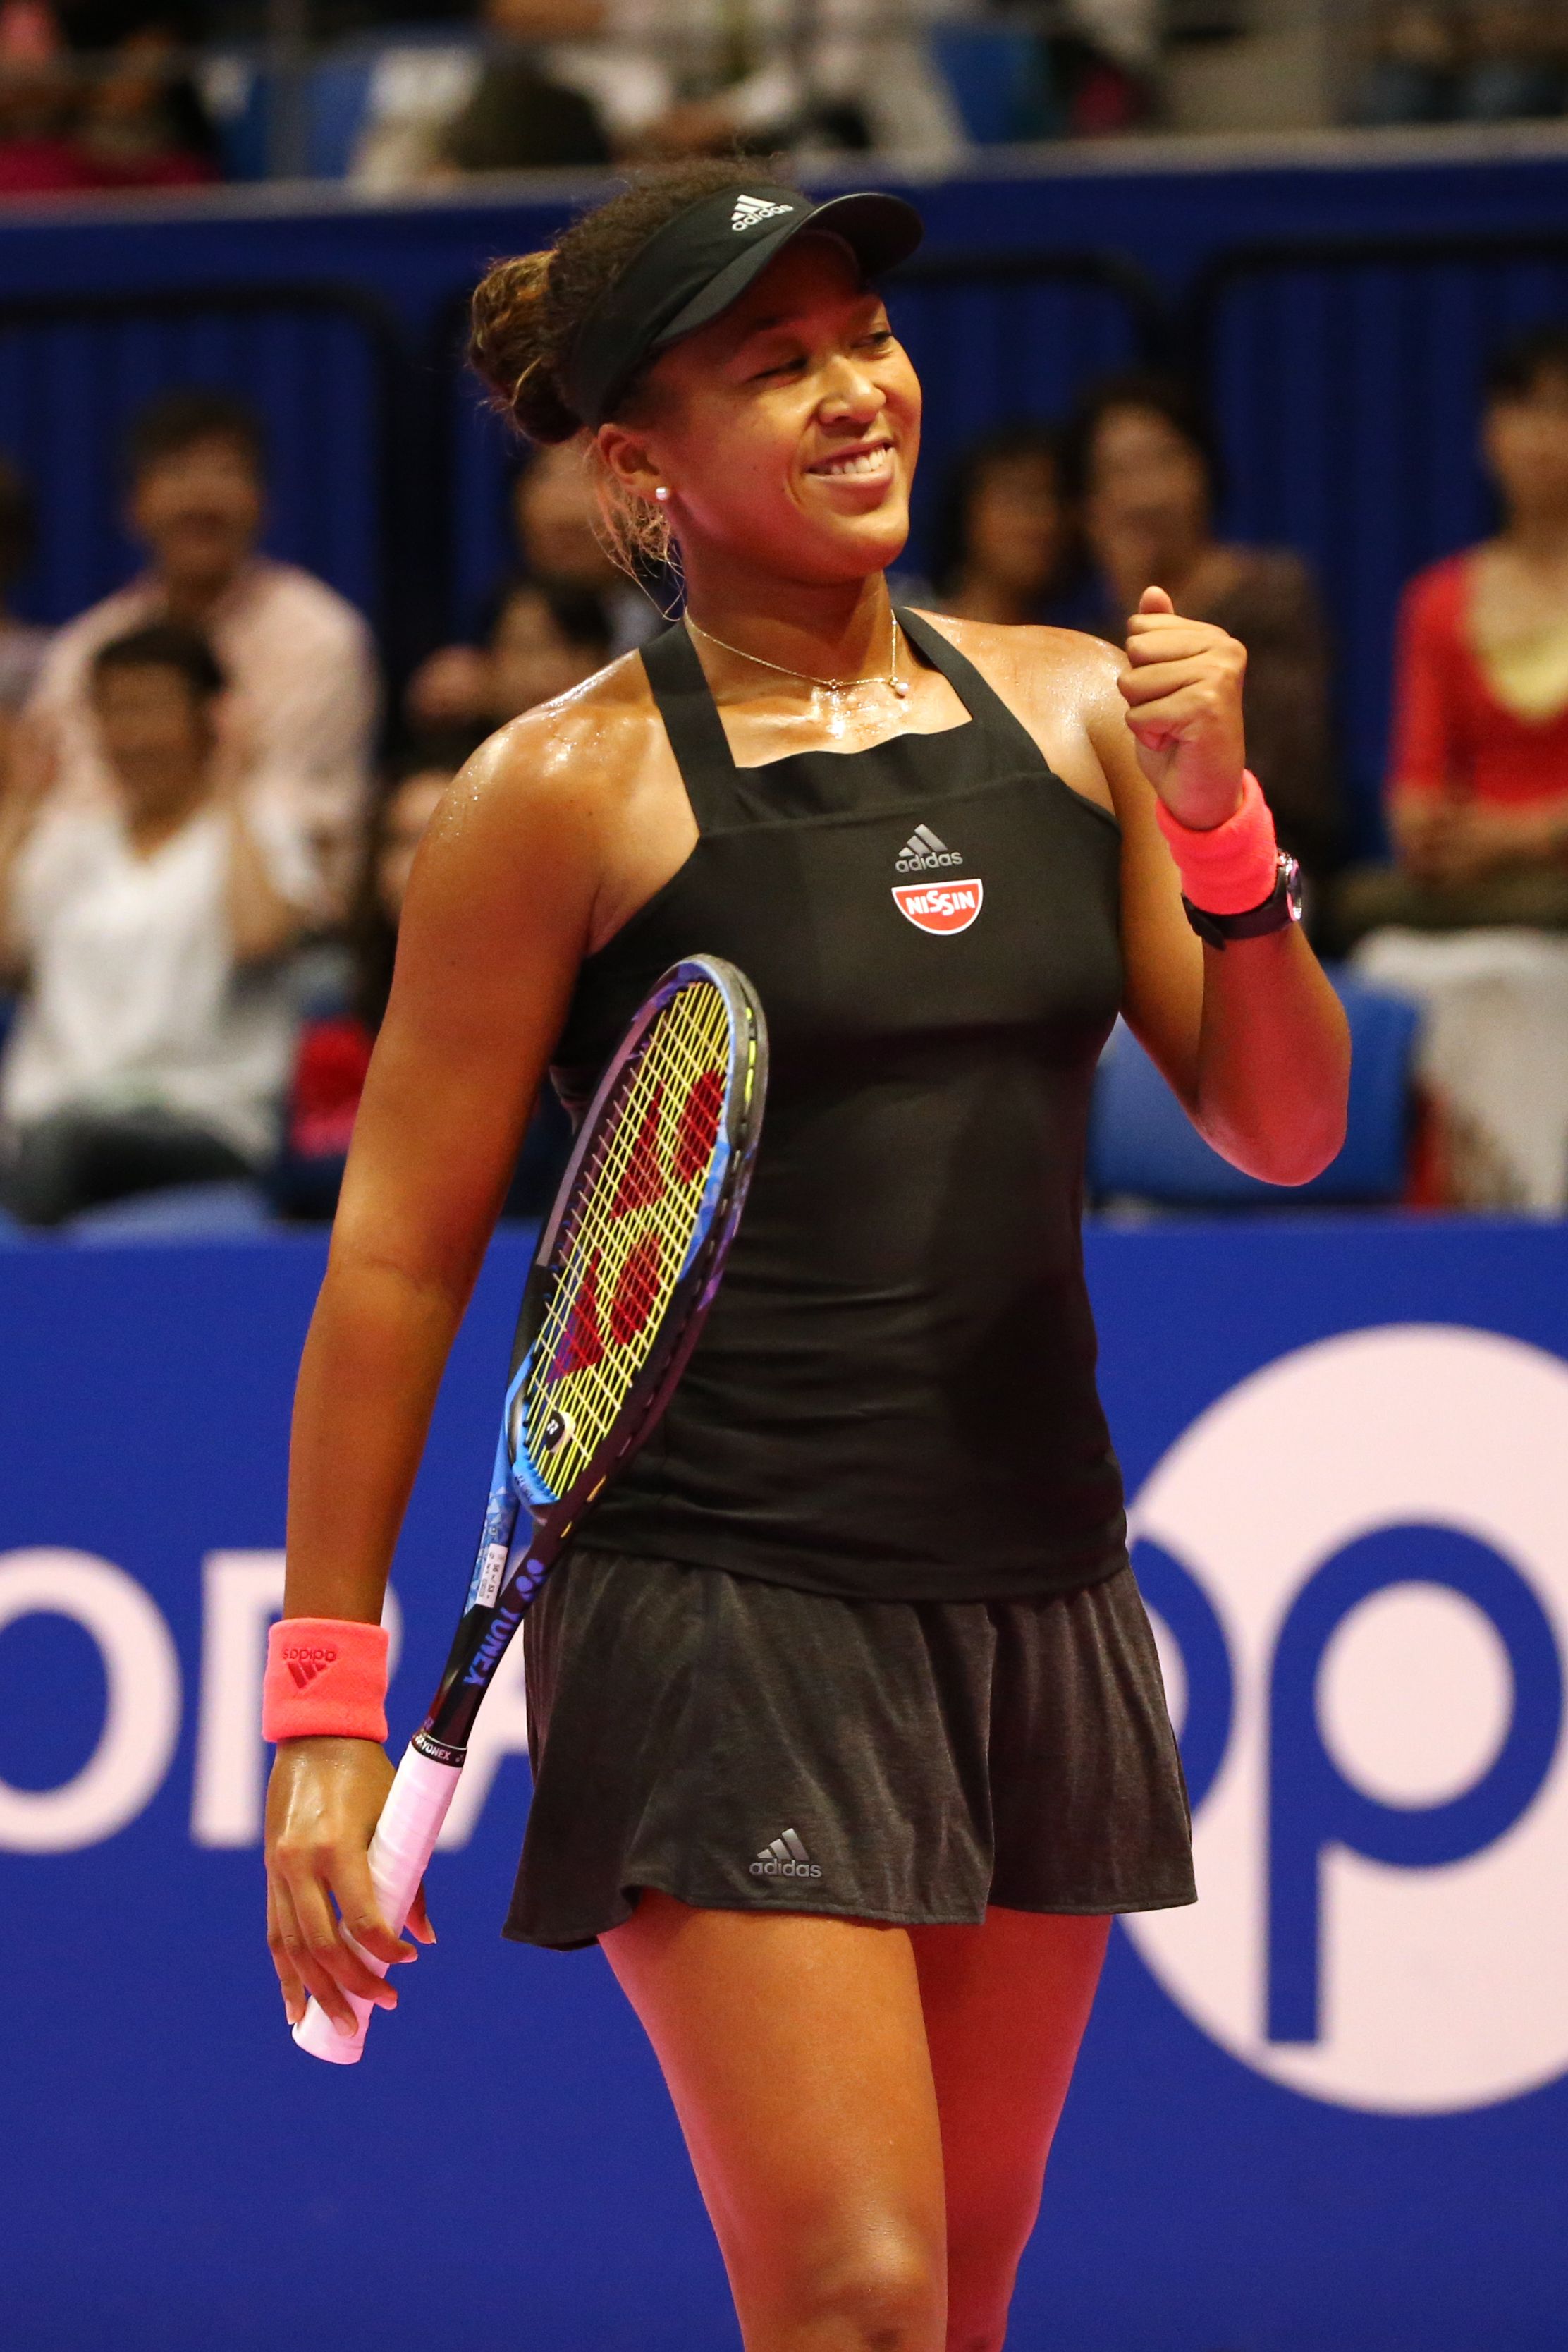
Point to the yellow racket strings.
(687, 1040)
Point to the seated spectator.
(333, 1053)
(742, 80)
(297, 656)
(555, 520)
(1477, 798)
(1142, 463)
(578, 80)
(140, 121)
(1101, 66)
(153, 1040)
(1471, 919)
(520, 118)
(547, 637)
(1514, 69)
(38, 97)
(1412, 71)
(1004, 535)
(115, 109)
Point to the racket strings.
(600, 1375)
(624, 1244)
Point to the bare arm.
(1251, 1037)
(493, 931)
(27, 779)
(262, 921)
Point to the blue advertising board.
(1327, 2107)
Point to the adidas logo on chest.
(941, 906)
(924, 851)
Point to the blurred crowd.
(1466, 61)
(119, 94)
(124, 94)
(209, 808)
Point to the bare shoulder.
(561, 773)
(1038, 669)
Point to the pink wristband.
(1233, 867)
(325, 1677)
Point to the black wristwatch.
(1282, 907)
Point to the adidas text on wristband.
(326, 1678)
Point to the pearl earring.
(661, 494)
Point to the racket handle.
(405, 1841)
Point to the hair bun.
(515, 347)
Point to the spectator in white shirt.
(153, 1038)
(299, 657)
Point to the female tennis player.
(849, 1734)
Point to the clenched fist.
(1182, 692)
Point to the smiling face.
(786, 432)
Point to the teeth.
(867, 461)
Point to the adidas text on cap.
(691, 271)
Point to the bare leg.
(795, 2051)
(1006, 2005)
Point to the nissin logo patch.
(939, 906)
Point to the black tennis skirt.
(746, 1747)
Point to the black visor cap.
(692, 269)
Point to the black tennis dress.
(856, 1632)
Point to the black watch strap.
(1281, 908)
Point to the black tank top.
(894, 1394)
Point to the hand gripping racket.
(626, 1267)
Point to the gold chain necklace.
(833, 686)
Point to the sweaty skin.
(785, 437)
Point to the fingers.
(302, 1970)
(417, 1924)
(1159, 638)
(279, 1944)
(1153, 599)
(1189, 684)
(310, 1945)
(351, 1878)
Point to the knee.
(885, 2293)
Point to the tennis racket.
(626, 1268)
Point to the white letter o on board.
(141, 1718)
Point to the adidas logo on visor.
(924, 851)
(750, 210)
(785, 1858)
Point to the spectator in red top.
(1477, 800)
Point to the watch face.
(1291, 877)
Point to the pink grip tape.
(326, 1677)
(1233, 867)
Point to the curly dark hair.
(526, 313)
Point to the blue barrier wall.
(1345, 384)
(1327, 2107)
